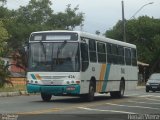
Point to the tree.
(3, 38)
(36, 12)
(3, 2)
(36, 16)
(116, 32)
(4, 73)
(66, 20)
(145, 33)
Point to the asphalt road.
(135, 105)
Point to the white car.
(153, 83)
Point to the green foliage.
(3, 2)
(3, 38)
(36, 12)
(116, 32)
(38, 16)
(145, 33)
(66, 20)
(17, 25)
(4, 75)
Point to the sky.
(101, 15)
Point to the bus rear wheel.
(120, 93)
(46, 97)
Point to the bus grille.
(52, 77)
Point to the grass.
(15, 88)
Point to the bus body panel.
(108, 77)
(53, 83)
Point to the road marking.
(133, 95)
(149, 96)
(144, 102)
(115, 111)
(132, 106)
(146, 96)
(153, 99)
(40, 111)
(157, 96)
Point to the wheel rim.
(91, 91)
(122, 89)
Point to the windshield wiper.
(43, 49)
(61, 47)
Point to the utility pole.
(124, 24)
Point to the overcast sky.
(101, 14)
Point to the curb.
(10, 94)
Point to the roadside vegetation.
(16, 26)
(144, 32)
(15, 88)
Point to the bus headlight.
(67, 82)
(72, 82)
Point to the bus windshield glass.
(54, 57)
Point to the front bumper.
(153, 87)
(54, 90)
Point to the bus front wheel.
(46, 97)
(90, 95)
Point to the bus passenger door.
(84, 67)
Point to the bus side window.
(121, 55)
(84, 56)
(92, 50)
(109, 53)
(134, 57)
(128, 56)
(101, 51)
(115, 54)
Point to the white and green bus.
(79, 63)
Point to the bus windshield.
(56, 57)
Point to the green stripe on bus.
(33, 76)
(106, 77)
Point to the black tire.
(90, 95)
(120, 93)
(147, 90)
(46, 97)
(122, 89)
(153, 90)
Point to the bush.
(4, 74)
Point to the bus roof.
(93, 36)
(105, 39)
